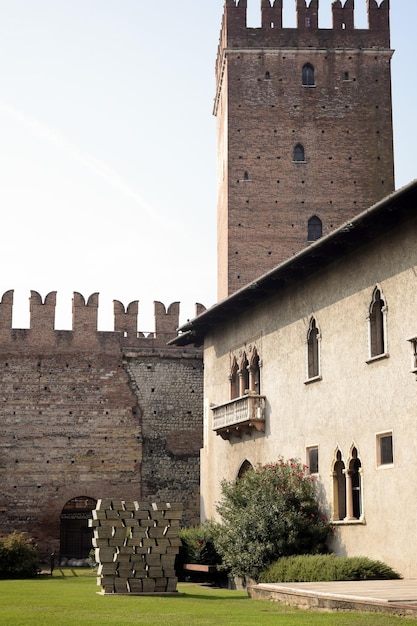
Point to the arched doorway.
(75, 533)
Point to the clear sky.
(107, 147)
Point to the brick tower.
(304, 118)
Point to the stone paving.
(390, 596)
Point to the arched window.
(354, 492)
(308, 75)
(314, 228)
(245, 467)
(313, 350)
(377, 314)
(244, 376)
(339, 488)
(255, 374)
(299, 154)
(267, 76)
(234, 381)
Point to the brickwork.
(343, 121)
(77, 413)
(170, 392)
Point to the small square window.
(385, 449)
(313, 459)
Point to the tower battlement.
(84, 335)
(235, 32)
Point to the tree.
(270, 512)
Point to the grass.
(70, 597)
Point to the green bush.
(18, 556)
(270, 512)
(326, 567)
(198, 545)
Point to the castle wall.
(94, 414)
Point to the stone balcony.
(239, 416)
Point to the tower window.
(308, 75)
(299, 154)
(267, 76)
(315, 228)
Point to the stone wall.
(86, 414)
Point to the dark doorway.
(76, 535)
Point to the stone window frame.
(309, 450)
(380, 463)
(348, 488)
(313, 352)
(247, 357)
(377, 326)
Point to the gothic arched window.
(244, 376)
(339, 488)
(245, 467)
(255, 374)
(308, 75)
(313, 349)
(355, 486)
(234, 381)
(377, 313)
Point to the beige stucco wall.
(349, 406)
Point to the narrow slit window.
(354, 476)
(313, 349)
(377, 311)
(339, 488)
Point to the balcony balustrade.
(238, 416)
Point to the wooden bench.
(197, 567)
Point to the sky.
(107, 147)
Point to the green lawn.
(70, 597)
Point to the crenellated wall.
(84, 331)
(87, 413)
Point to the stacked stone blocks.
(136, 544)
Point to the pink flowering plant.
(270, 512)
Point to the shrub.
(18, 556)
(198, 545)
(326, 567)
(268, 513)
